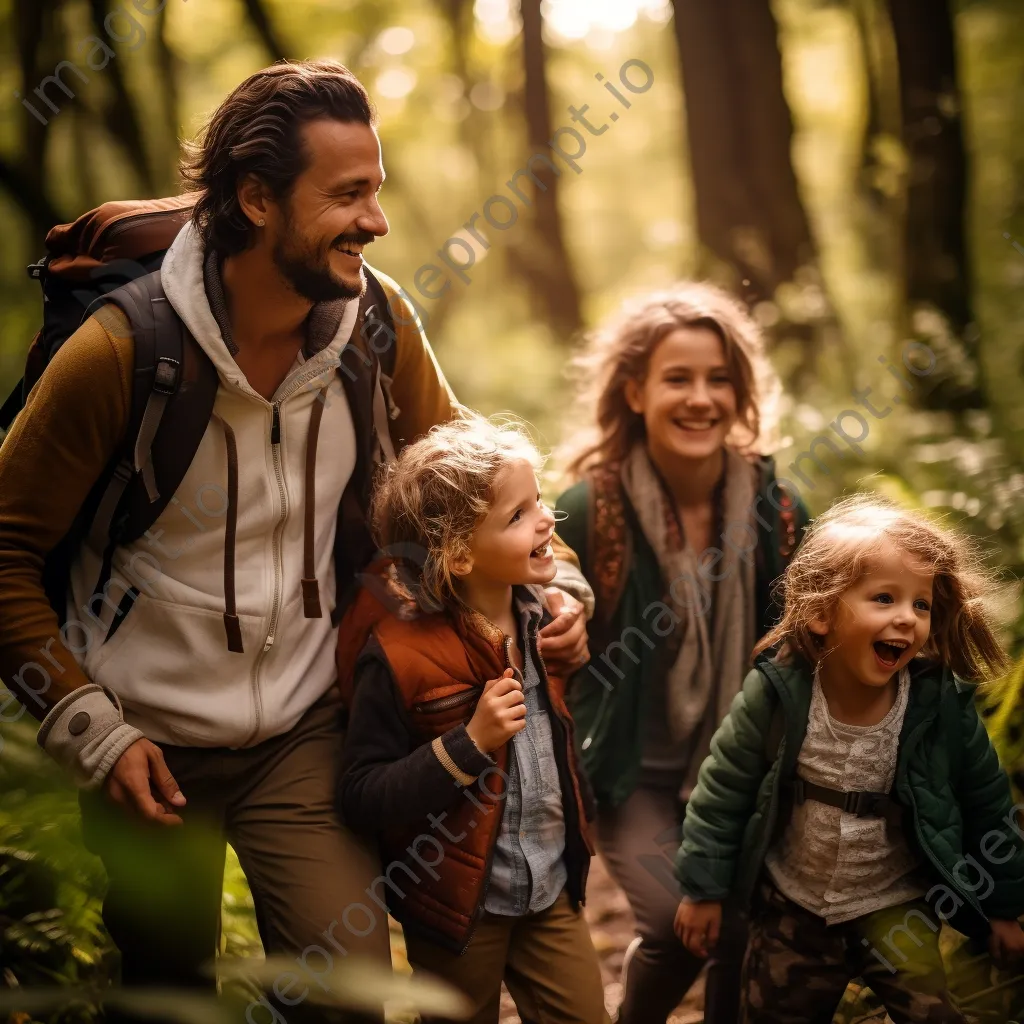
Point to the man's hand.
(1006, 942)
(563, 642)
(698, 925)
(141, 782)
(500, 713)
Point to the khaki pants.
(546, 960)
(308, 874)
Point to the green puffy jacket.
(958, 812)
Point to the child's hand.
(697, 925)
(500, 713)
(1006, 942)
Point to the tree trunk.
(35, 26)
(543, 259)
(168, 67)
(930, 103)
(120, 117)
(265, 29)
(935, 271)
(749, 211)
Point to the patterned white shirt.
(829, 861)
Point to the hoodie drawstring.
(310, 587)
(232, 626)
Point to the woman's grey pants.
(638, 842)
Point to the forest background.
(854, 169)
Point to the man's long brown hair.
(258, 130)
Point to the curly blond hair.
(431, 500)
(620, 350)
(837, 551)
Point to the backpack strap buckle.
(168, 373)
(36, 270)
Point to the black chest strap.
(860, 803)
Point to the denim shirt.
(527, 870)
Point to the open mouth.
(353, 249)
(889, 652)
(543, 552)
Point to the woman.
(681, 529)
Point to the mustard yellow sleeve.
(420, 390)
(55, 451)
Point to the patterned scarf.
(715, 638)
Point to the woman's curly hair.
(620, 350)
(837, 551)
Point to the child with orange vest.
(460, 754)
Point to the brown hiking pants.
(275, 804)
(547, 961)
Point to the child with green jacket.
(852, 798)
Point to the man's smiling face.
(332, 212)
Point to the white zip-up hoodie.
(169, 660)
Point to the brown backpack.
(113, 255)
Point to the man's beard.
(309, 272)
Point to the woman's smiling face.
(688, 399)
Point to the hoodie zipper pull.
(275, 427)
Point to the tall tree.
(260, 19)
(36, 26)
(543, 259)
(740, 131)
(120, 115)
(935, 263)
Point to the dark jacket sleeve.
(388, 778)
(726, 795)
(991, 828)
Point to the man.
(205, 707)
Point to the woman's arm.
(387, 777)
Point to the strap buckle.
(36, 270)
(865, 804)
(165, 380)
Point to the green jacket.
(957, 814)
(608, 697)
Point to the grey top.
(528, 870)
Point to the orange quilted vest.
(439, 665)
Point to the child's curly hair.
(837, 551)
(434, 496)
(620, 350)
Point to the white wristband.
(86, 733)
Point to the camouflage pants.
(797, 968)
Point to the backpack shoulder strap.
(174, 385)
(610, 541)
(376, 320)
(157, 343)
